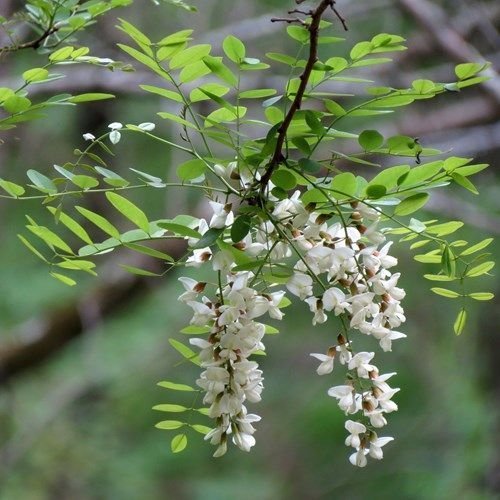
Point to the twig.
(313, 29)
(33, 44)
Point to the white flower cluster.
(229, 377)
(340, 270)
(351, 273)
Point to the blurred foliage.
(80, 426)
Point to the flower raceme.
(338, 271)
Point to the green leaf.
(344, 185)
(314, 123)
(309, 166)
(168, 94)
(468, 70)
(199, 93)
(209, 238)
(52, 239)
(84, 181)
(112, 178)
(191, 169)
(480, 269)
(234, 49)
(170, 408)
(241, 227)
(218, 68)
(375, 191)
(138, 271)
(438, 277)
(448, 263)
(428, 258)
(61, 54)
(100, 222)
(189, 56)
(178, 443)
(481, 295)
(152, 252)
(284, 179)
(411, 204)
(360, 50)
(195, 330)
(370, 140)
(169, 425)
(202, 429)
(35, 75)
(446, 228)
(30, 247)
(185, 351)
(464, 182)
(179, 229)
(42, 182)
(176, 387)
(445, 292)
(478, 246)
(64, 279)
(129, 210)
(257, 93)
(72, 225)
(298, 33)
(193, 71)
(90, 97)
(460, 321)
(13, 189)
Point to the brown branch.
(33, 44)
(313, 29)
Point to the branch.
(33, 44)
(313, 29)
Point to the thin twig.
(33, 44)
(313, 29)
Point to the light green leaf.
(438, 277)
(176, 387)
(480, 269)
(411, 204)
(168, 94)
(52, 239)
(202, 429)
(129, 210)
(64, 279)
(90, 97)
(185, 351)
(461, 319)
(170, 408)
(234, 49)
(14, 190)
(100, 222)
(32, 248)
(42, 182)
(189, 56)
(169, 425)
(72, 225)
(138, 271)
(478, 246)
(84, 181)
(35, 75)
(16, 104)
(192, 169)
(481, 295)
(370, 140)
(445, 292)
(178, 443)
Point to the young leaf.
(234, 49)
(411, 204)
(170, 408)
(481, 295)
(445, 292)
(152, 252)
(13, 189)
(460, 321)
(72, 225)
(185, 351)
(370, 140)
(176, 387)
(169, 425)
(178, 443)
(477, 247)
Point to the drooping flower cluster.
(339, 270)
(350, 273)
(229, 378)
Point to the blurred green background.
(77, 423)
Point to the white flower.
(326, 365)
(355, 429)
(89, 137)
(359, 458)
(222, 215)
(345, 396)
(300, 285)
(334, 299)
(376, 447)
(147, 126)
(115, 126)
(199, 256)
(360, 362)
